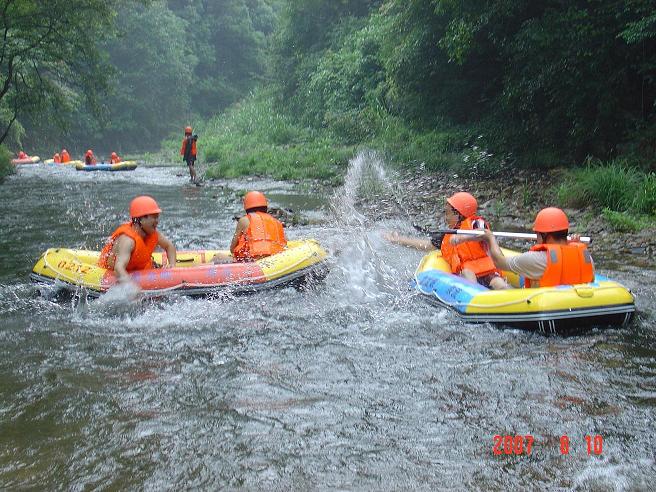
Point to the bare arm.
(500, 261)
(242, 225)
(123, 247)
(420, 244)
(167, 245)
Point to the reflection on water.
(354, 384)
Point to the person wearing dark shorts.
(188, 153)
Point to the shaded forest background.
(286, 86)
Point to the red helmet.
(88, 152)
(551, 219)
(188, 130)
(255, 199)
(464, 203)
(143, 205)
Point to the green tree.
(49, 56)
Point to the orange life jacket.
(183, 150)
(65, 157)
(567, 264)
(469, 255)
(56, 159)
(140, 259)
(265, 236)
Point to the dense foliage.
(512, 81)
(49, 58)
(165, 65)
(558, 79)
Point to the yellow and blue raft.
(560, 309)
(121, 166)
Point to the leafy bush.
(623, 221)
(6, 167)
(645, 199)
(611, 185)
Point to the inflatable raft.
(71, 270)
(121, 166)
(69, 163)
(562, 309)
(27, 160)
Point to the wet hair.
(559, 235)
(258, 209)
(556, 235)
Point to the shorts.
(486, 279)
(191, 161)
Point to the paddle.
(516, 235)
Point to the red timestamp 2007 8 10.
(519, 444)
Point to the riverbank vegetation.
(6, 167)
(293, 89)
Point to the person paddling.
(553, 260)
(114, 158)
(257, 235)
(65, 156)
(465, 255)
(131, 245)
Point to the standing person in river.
(130, 247)
(188, 153)
(553, 260)
(465, 255)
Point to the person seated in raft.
(22, 155)
(131, 245)
(465, 255)
(257, 235)
(114, 158)
(56, 158)
(89, 158)
(65, 157)
(553, 260)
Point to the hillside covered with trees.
(293, 87)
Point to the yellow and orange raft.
(561, 309)
(194, 273)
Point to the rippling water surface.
(355, 384)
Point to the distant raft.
(69, 163)
(121, 166)
(26, 160)
(194, 274)
(562, 309)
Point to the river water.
(356, 384)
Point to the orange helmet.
(551, 220)
(464, 203)
(188, 130)
(114, 154)
(255, 199)
(143, 205)
(88, 152)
